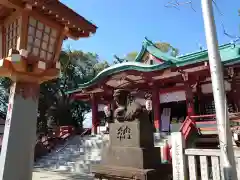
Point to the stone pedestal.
(131, 153)
(17, 154)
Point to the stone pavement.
(45, 175)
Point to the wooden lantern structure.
(31, 36)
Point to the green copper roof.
(149, 46)
(230, 54)
(120, 68)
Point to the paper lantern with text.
(149, 105)
(107, 111)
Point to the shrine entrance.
(170, 81)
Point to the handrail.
(82, 134)
(48, 137)
(187, 126)
(191, 122)
(231, 115)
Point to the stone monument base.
(131, 153)
(116, 172)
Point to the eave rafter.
(12, 4)
(106, 87)
(54, 9)
(166, 77)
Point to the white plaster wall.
(207, 88)
(172, 97)
(151, 57)
(141, 101)
(154, 61)
(101, 107)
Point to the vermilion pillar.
(94, 114)
(156, 108)
(234, 94)
(200, 100)
(189, 99)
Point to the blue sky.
(123, 24)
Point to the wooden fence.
(197, 164)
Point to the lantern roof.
(55, 10)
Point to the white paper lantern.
(107, 111)
(149, 105)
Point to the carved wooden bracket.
(184, 74)
(231, 72)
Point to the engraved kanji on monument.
(124, 132)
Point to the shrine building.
(180, 87)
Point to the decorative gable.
(150, 59)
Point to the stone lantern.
(31, 37)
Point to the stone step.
(75, 156)
(63, 161)
(39, 175)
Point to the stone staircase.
(73, 160)
(75, 157)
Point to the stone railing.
(196, 164)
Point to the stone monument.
(131, 153)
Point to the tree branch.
(234, 38)
(176, 3)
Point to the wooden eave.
(137, 80)
(57, 11)
(4, 12)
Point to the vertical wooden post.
(234, 91)
(200, 100)
(94, 114)
(233, 94)
(178, 157)
(189, 100)
(189, 95)
(156, 108)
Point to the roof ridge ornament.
(148, 41)
(120, 59)
(233, 43)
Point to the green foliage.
(167, 48)
(131, 56)
(58, 108)
(5, 84)
(55, 107)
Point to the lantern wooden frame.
(31, 37)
